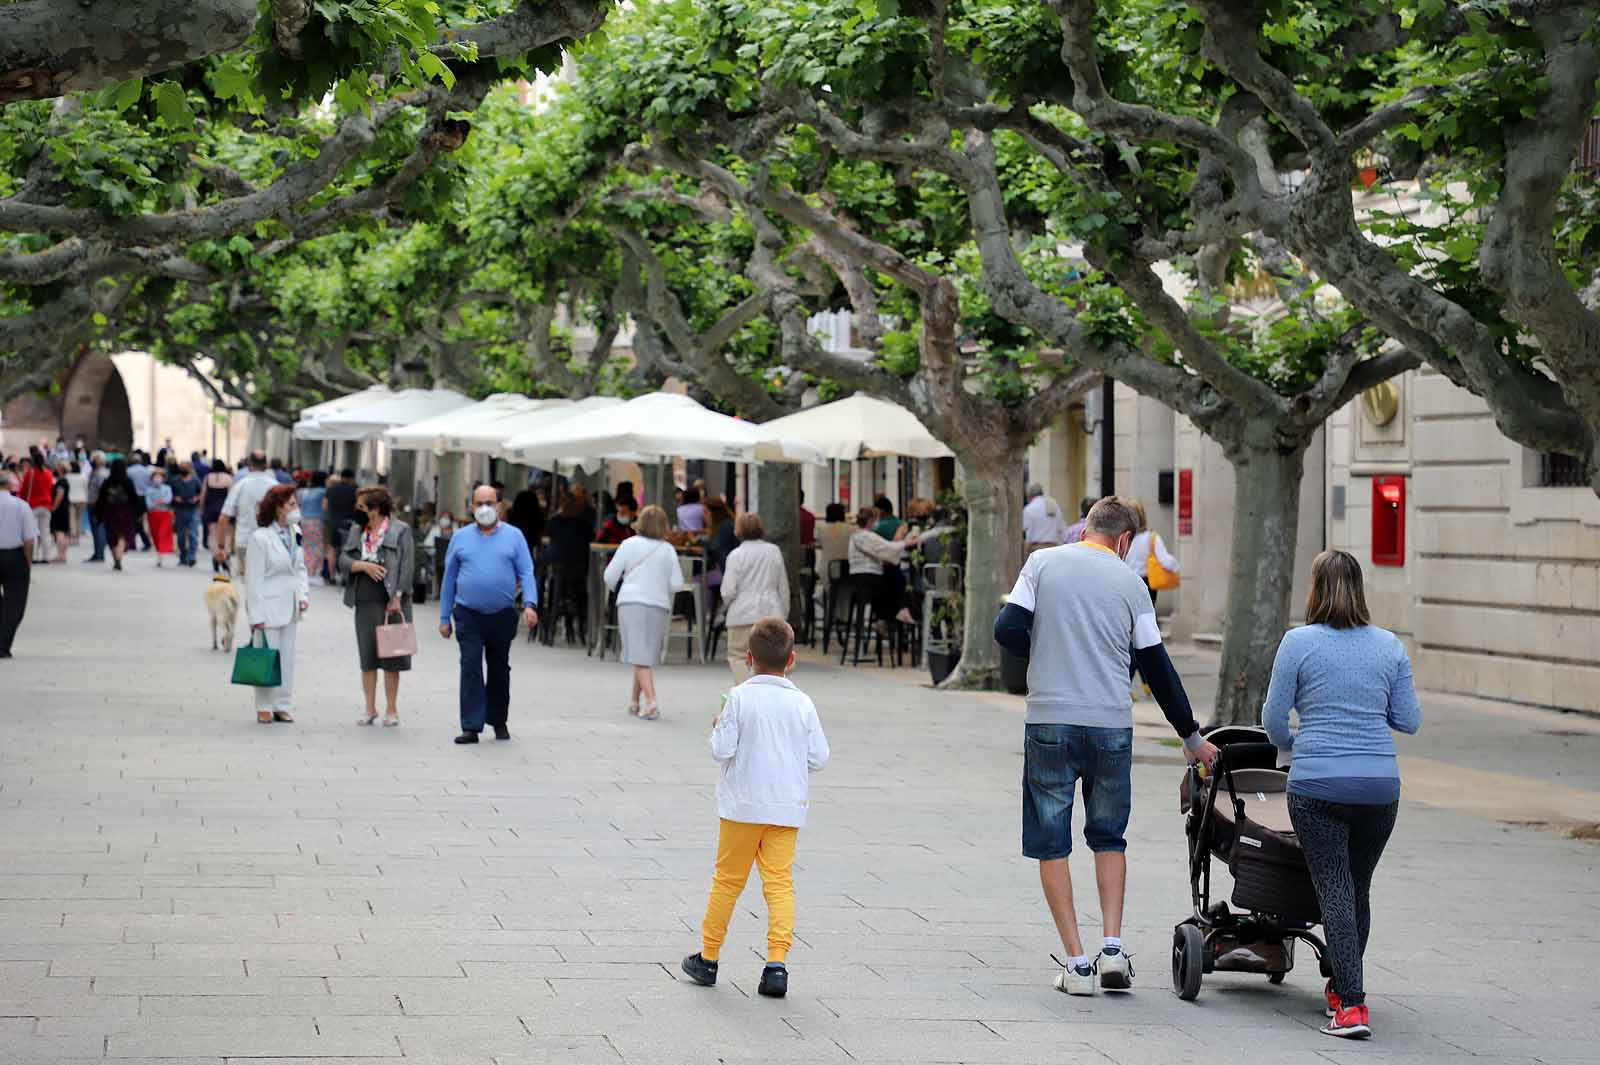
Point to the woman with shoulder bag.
(378, 561)
(645, 575)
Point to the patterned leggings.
(1343, 842)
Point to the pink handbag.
(397, 640)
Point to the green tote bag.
(257, 666)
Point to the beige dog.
(222, 603)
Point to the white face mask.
(445, 523)
(292, 518)
(623, 519)
(485, 514)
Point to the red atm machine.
(1389, 521)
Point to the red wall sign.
(1185, 502)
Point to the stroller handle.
(1242, 752)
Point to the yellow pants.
(771, 849)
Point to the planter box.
(941, 664)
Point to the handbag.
(397, 640)
(257, 667)
(1159, 577)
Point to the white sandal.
(651, 714)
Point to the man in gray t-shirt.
(1079, 615)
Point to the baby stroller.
(1239, 813)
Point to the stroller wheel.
(1188, 961)
(1276, 978)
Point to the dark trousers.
(1343, 842)
(485, 642)
(97, 530)
(187, 520)
(15, 573)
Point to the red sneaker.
(1333, 999)
(1349, 1023)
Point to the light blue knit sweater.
(1349, 688)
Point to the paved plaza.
(180, 884)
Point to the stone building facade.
(1493, 580)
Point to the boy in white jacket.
(769, 740)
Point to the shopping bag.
(1159, 577)
(397, 639)
(257, 666)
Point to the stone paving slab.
(181, 885)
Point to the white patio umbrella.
(659, 425)
(309, 427)
(861, 426)
(547, 414)
(368, 422)
(478, 427)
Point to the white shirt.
(755, 583)
(869, 551)
(243, 500)
(769, 740)
(1043, 522)
(17, 524)
(1139, 553)
(648, 571)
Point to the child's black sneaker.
(699, 970)
(774, 981)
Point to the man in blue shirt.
(482, 570)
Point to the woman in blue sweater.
(1349, 682)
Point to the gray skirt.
(368, 617)
(643, 630)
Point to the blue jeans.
(187, 521)
(485, 640)
(1055, 758)
(97, 530)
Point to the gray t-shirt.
(1089, 611)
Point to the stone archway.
(94, 405)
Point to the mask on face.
(293, 517)
(485, 514)
(360, 518)
(624, 520)
(445, 523)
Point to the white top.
(243, 499)
(648, 571)
(755, 583)
(869, 551)
(17, 525)
(769, 740)
(1043, 522)
(275, 581)
(1139, 553)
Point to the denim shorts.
(1055, 758)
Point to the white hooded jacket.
(769, 740)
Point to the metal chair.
(940, 583)
(838, 571)
(694, 577)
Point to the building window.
(1562, 471)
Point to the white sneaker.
(1076, 981)
(1116, 971)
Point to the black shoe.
(117, 564)
(699, 970)
(467, 737)
(501, 732)
(774, 982)
(95, 558)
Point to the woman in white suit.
(276, 593)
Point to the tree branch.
(53, 47)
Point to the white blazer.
(275, 580)
(648, 570)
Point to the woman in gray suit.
(276, 593)
(378, 560)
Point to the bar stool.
(694, 579)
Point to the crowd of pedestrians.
(1082, 614)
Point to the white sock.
(1078, 961)
(1113, 943)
